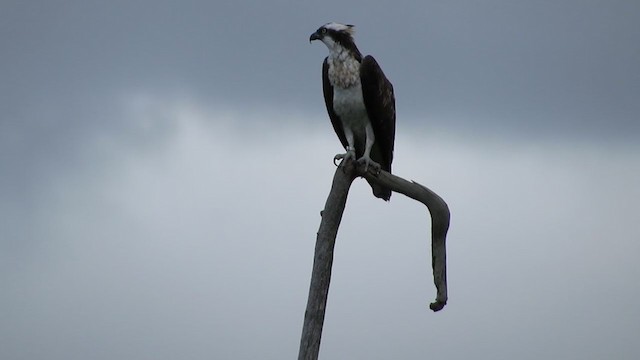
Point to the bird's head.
(335, 35)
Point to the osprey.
(359, 100)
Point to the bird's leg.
(351, 149)
(366, 159)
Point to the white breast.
(349, 106)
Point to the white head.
(336, 36)
(334, 26)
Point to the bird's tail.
(380, 192)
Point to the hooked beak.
(315, 36)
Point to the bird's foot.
(368, 162)
(350, 154)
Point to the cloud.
(191, 235)
(177, 219)
(520, 70)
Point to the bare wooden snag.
(326, 237)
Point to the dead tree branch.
(325, 242)
(439, 225)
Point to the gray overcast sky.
(163, 163)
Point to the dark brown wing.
(327, 88)
(380, 102)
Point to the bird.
(359, 100)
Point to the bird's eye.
(324, 30)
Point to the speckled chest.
(344, 70)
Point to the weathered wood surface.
(326, 237)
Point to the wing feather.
(380, 102)
(327, 89)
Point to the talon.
(336, 158)
(368, 162)
(350, 154)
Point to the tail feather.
(380, 192)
